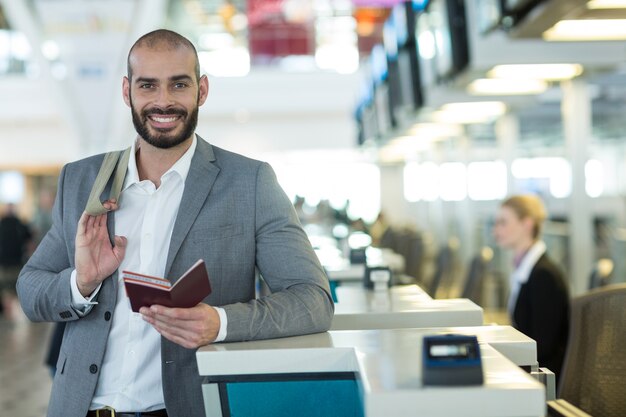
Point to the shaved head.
(162, 39)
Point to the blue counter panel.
(317, 398)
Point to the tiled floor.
(24, 380)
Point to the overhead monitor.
(514, 11)
(383, 109)
(400, 17)
(488, 15)
(419, 5)
(442, 41)
(390, 39)
(378, 64)
(518, 5)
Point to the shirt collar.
(181, 167)
(526, 265)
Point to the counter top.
(406, 306)
(388, 365)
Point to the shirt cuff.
(221, 335)
(79, 303)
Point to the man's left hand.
(189, 327)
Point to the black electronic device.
(451, 360)
(514, 11)
(358, 256)
(377, 277)
(488, 15)
(447, 23)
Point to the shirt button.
(107, 316)
(93, 368)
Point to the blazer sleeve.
(43, 286)
(300, 300)
(549, 309)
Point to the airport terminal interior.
(435, 152)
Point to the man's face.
(164, 95)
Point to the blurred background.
(394, 126)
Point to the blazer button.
(93, 368)
(107, 316)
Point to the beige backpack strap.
(118, 161)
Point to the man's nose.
(164, 98)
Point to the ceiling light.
(606, 4)
(470, 112)
(505, 87)
(50, 50)
(435, 131)
(551, 72)
(587, 30)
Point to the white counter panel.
(388, 365)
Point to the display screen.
(439, 351)
(488, 15)
(458, 350)
(419, 5)
(400, 22)
(390, 39)
(378, 64)
(440, 26)
(516, 5)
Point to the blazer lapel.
(200, 180)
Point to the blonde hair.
(528, 206)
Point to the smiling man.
(182, 200)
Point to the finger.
(120, 242)
(82, 223)
(83, 219)
(119, 250)
(191, 336)
(89, 223)
(111, 204)
(193, 313)
(178, 339)
(102, 221)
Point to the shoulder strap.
(118, 161)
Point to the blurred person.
(14, 238)
(182, 200)
(539, 298)
(378, 229)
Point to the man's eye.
(180, 85)
(146, 86)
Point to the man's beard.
(163, 138)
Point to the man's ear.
(203, 90)
(126, 90)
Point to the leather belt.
(109, 412)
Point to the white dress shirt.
(130, 374)
(521, 274)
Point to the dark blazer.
(542, 313)
(234, 215)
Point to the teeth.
(163, 119)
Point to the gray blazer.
(235, 216)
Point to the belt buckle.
(111, 411)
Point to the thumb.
(120, 246)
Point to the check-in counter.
(340, 269)
(373, 373)
(406, 306)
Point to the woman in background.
(539, 299)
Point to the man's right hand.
(95, 257)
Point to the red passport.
(191, 288)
